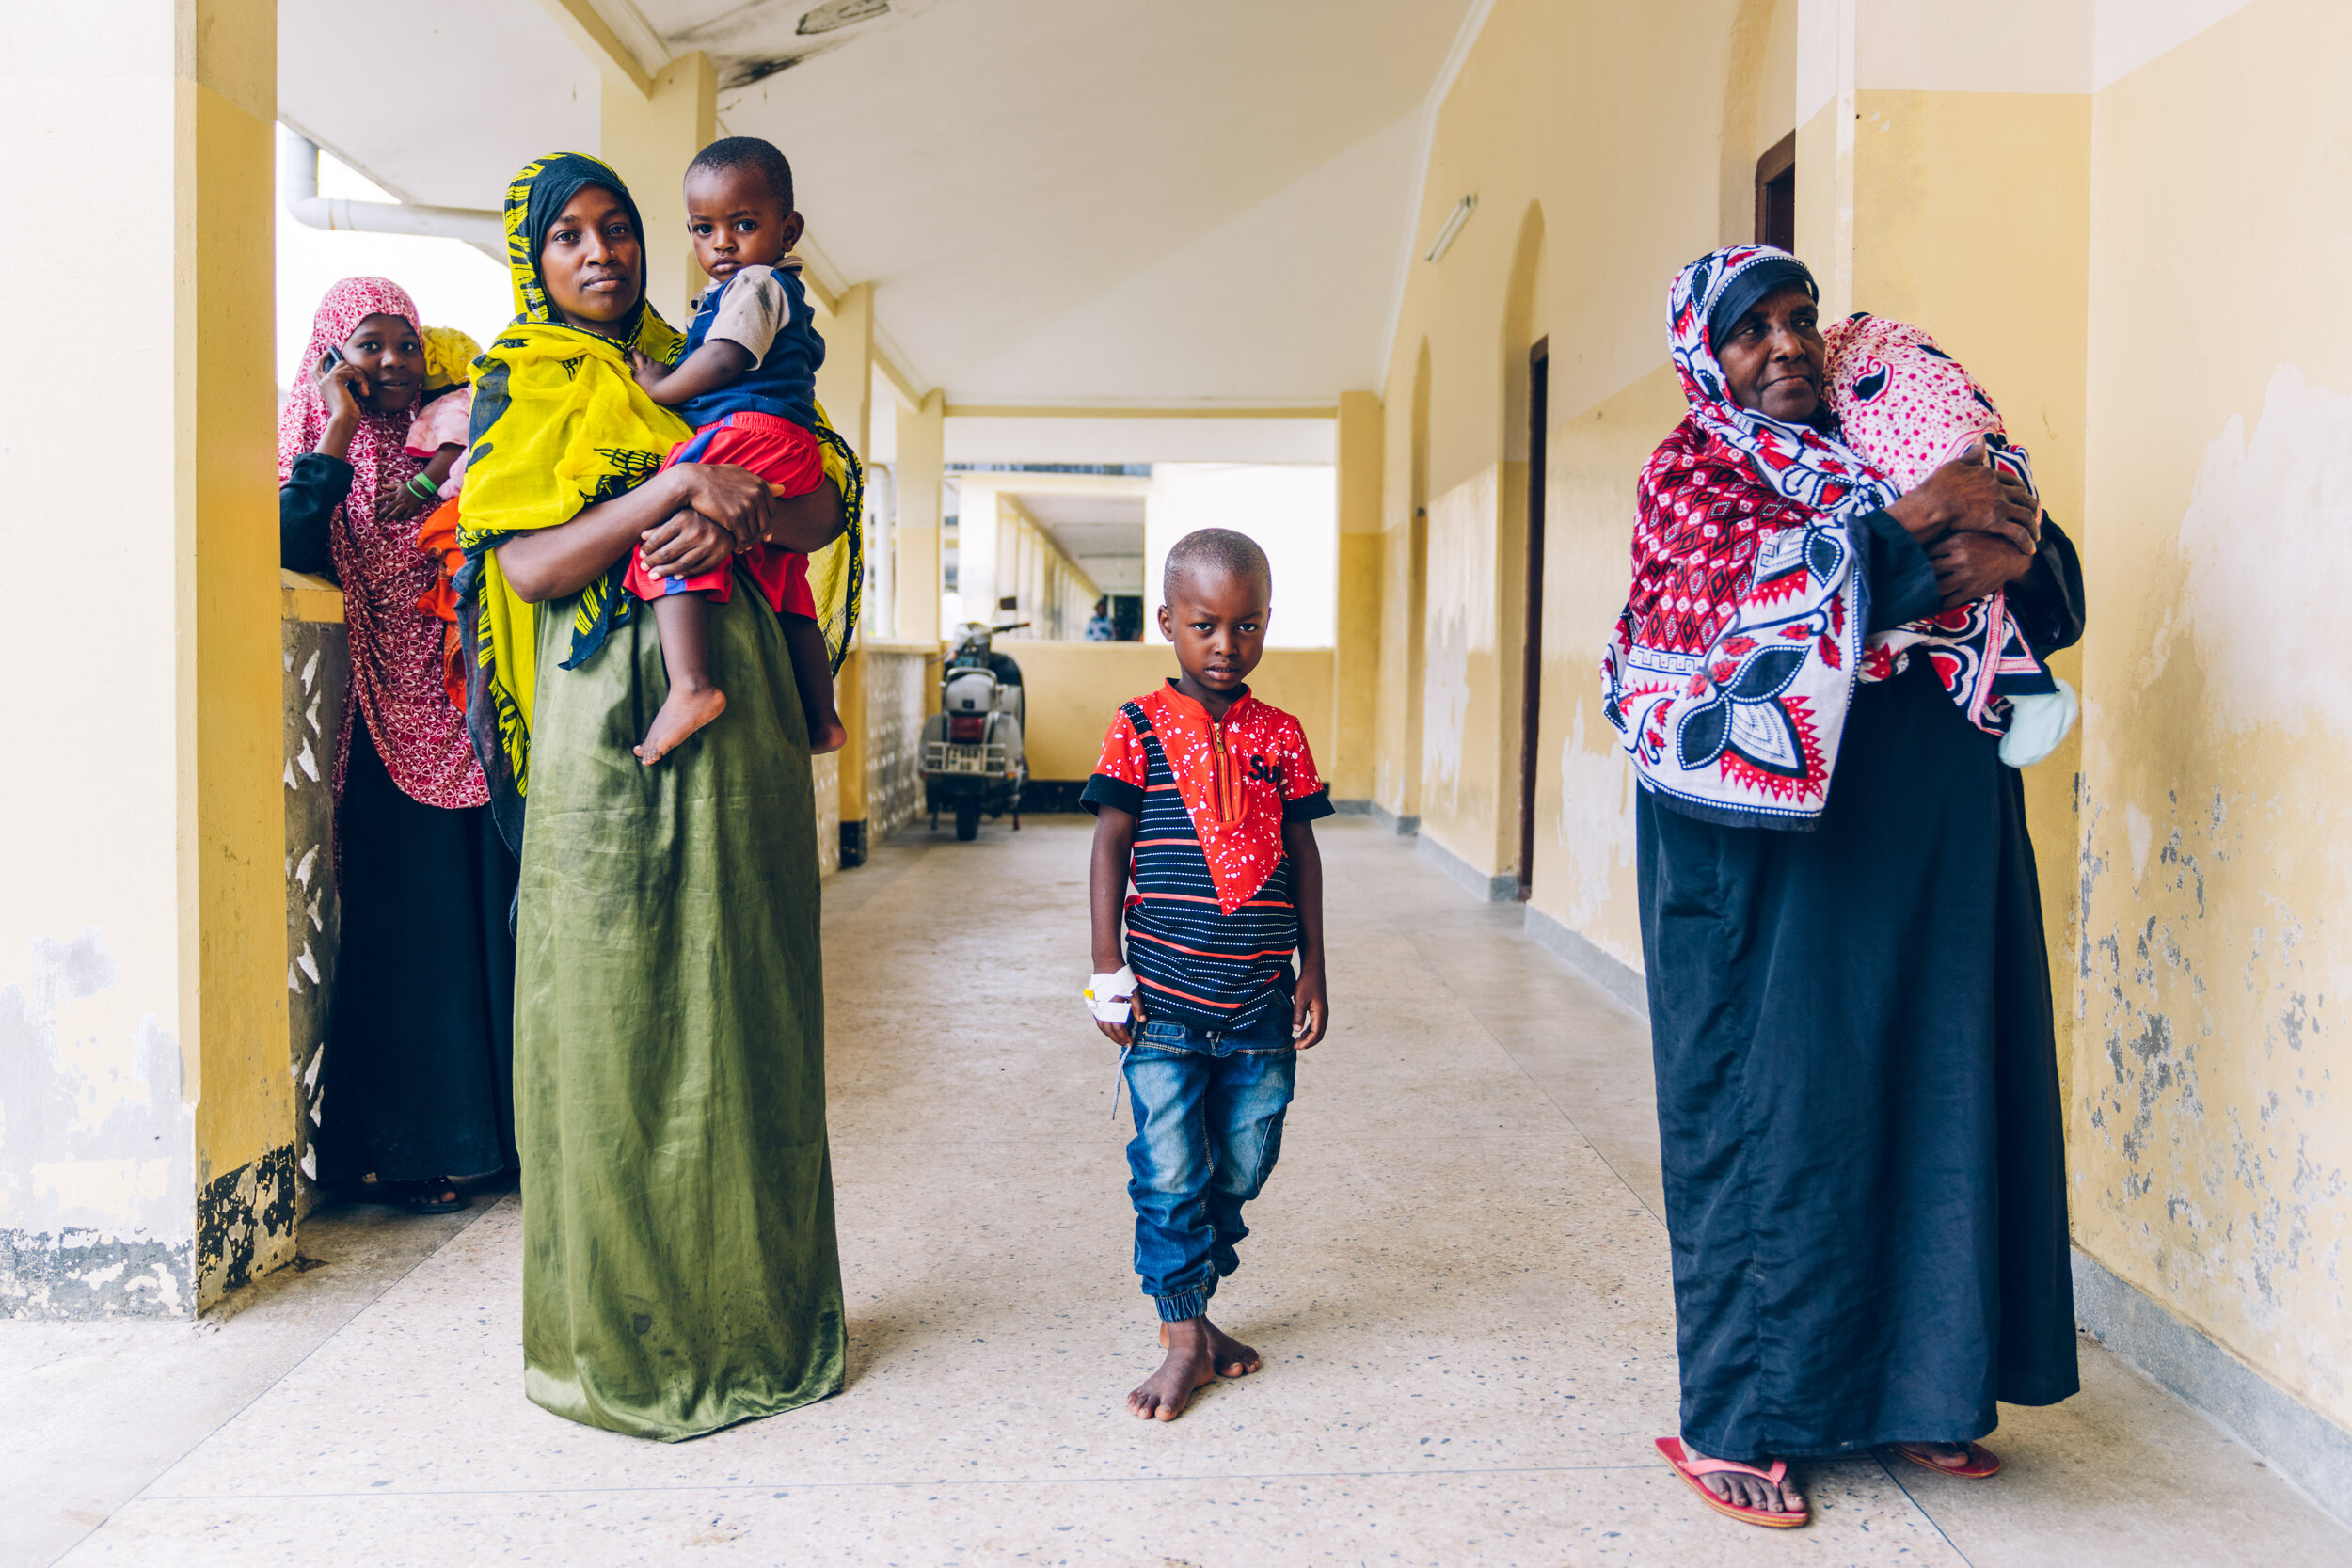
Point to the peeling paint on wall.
(1594, 823)
(2208, 1162)
(1461, 680)
(96, 1147)
(244, 1218)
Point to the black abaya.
(418, 1069)
(1857, 1092)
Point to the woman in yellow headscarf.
(680, 1268)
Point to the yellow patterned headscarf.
(558, 424)
(448, 353)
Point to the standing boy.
(1207, 794)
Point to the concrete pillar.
(922, 464)
(977, 549)
(651, 139)
(845, 386)
(147, 1160)
(845, 382)
(1355, 640)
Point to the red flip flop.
(1691, 1469)
(1982, 1461)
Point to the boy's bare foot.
(1190, 1368)
(684, 711)
(827, 733)
(1231, 1357)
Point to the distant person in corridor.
(416, 1081)
(1206, 797)
(1857, 1085)
(1100, 628)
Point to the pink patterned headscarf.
(1907, 409)
(395, 647)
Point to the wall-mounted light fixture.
(1460, 215)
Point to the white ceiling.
(1089, 438)
(1058, 201)
(1089, 528)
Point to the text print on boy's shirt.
(1211, 925)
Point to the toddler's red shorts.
(792, 462)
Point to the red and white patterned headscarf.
(395, 647)
(1735, 659)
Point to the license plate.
(966, 759)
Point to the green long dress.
(680, 1272)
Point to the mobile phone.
(334, 357)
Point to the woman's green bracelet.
(422, 487)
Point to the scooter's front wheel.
(967, 821)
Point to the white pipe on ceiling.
(299, 189)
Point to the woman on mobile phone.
(419, 1072)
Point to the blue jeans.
(1208, 1111)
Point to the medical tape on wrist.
(1110, 997)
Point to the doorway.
(1530, 695)
(1776, 194)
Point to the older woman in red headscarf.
(1858, 1108)
(418, 1070)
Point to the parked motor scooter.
(972, 758)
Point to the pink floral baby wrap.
(1907, 409)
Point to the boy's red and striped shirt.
(1211, 926)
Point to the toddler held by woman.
(1907, 408)
(747, 382)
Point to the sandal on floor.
(1691, 1469)
(426, 1198)
(1982, 1461)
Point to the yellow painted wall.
(1463, 793)
(1925, 164)
(650, 141)
(232, 821)
(2210, 1153)
(142, 1018)
(1594, 140)
(921, 433)
(1356, 662)
(1583, 785)
(1403, 572)
(1075, 687)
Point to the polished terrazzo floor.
(1458, 1282)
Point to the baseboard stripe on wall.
(1496, 888)
(1614, 975)
(2295, 1440)
(1351, 808)
(1404, 827)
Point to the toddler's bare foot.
(1231, 1357)
(827, 733)
(684, 711)
(1188, 1369)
